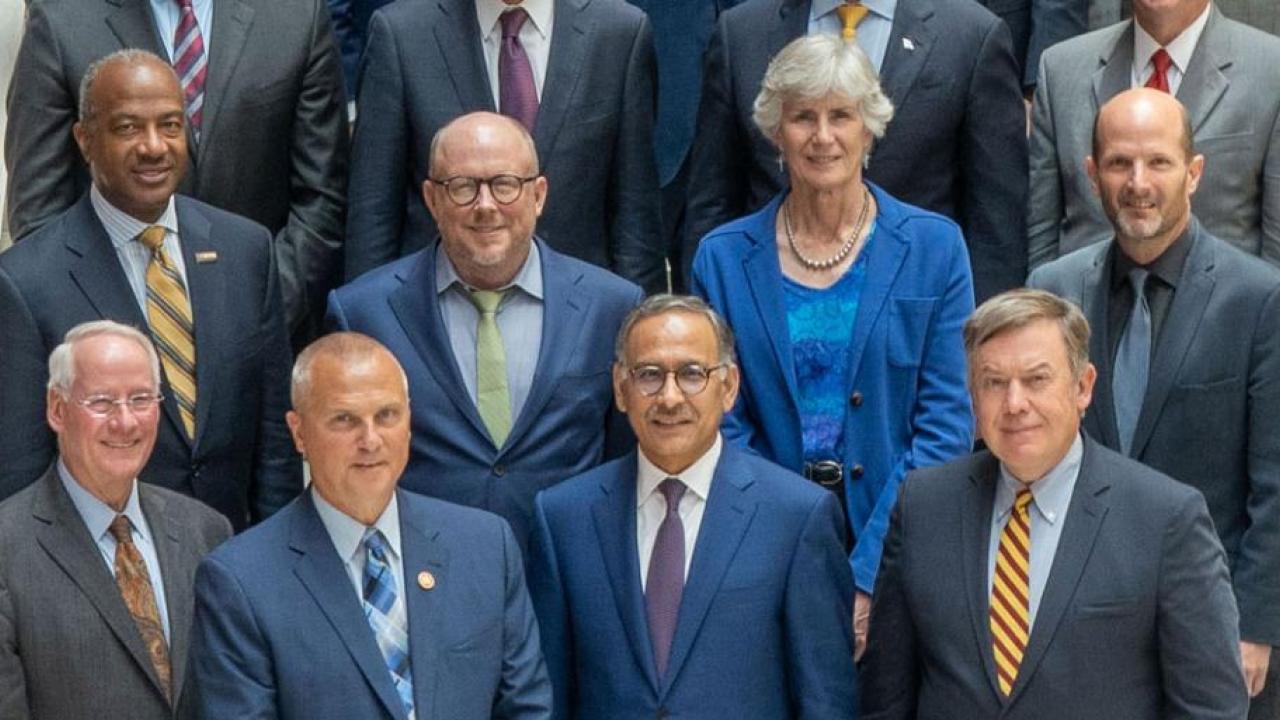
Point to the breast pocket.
(909, 322)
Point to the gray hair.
(433, 153)
(814, 66)
(62, 361)
(349, 348)
(127, 56)
(662, 304)
(1016, 309)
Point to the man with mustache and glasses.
(690, 578)
(1188, 352)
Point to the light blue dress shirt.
(123, 230)
(519, 320)
(97, 517)
(1051, 496)
(347, 535)
(873, 31)
(167, 13)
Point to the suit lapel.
(177, 567)
(764, 278)
(232, 20)
(569, 44)
(724, 522)
(887, 252)
(976, 537)
(1095, 296)
(425, 607)
(322, 573)
(1115, 69)
(910, 41)
(1086, 512)
(1205, 81)
(133, 26)
(416, 306)
(793, 21)
(95, 269)
(458, 39)
(206, 290)
(614, 514)
(64, 537)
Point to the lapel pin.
(426, 580)
(206, 256)
(907, 44)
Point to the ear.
(1091, 169)
(539, 194)
(294, 420)
(428, 197)
(732, 381)
(619, 392)
(1084, 387)
(1194, 172)
(84, 139)
(56, 410)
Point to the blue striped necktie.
(384, 609)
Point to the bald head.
(348, 351)
(480, 128)
(1146, 107)
(109, 69)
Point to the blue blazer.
(908, 406)
(279, 631)
(568, 423)
(764, 625)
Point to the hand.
(861, 617)
(1256, 659)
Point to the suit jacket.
(906, 378)
(956, 144)
(351, 30)
(68, 646)
(763, 629)
(594, 132)
(1037, 25)
(280, 633)
(1211, 415)
(273, 144)
(242, 461)
(1262, 14)
(568, 423)
(1136, 621)
(1232, 93)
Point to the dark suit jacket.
(273, 147)
(351, 30)
(68, 646)
(242, 461)
(1137, 620)
(279, 631)
(568, 423)
(1211, 415)
(1038, 24)
(763, 629)
(957, 143)
(594, 133)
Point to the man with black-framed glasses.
(506, 342)
(690, 578)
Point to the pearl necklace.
(845, 249)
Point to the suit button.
(856, 471)
(499, 470)
(663, 713)
(856, 398)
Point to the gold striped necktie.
(1010, 593)
(172, 328)
(851, 13)
(493, 399)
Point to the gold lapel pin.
(426, 580)
(206, 256)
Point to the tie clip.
(207, 256)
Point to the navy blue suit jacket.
(423, 67)
(568, 423)
(241, 462)
(279, 631)
(351, 29)
(764, 624)
(957, 144)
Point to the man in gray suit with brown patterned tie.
(96, 569)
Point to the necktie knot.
(1022, 500)
(512, 21)
(487, 301)
(152, 238)
(376, 544)
(121, 529)
(672, 490)
(1138, 281)
(184, 4)
(1161, 61)
(851, 13)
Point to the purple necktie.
(665, 582)
(518, 97)
(189, 63)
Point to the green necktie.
(492, 398)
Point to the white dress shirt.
(651, 506)
(167, 14)
(1180, 51)
(535, 37)
(347, 535)
(124, 229)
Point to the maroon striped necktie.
(189, 62)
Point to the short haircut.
(1188, 142)
(814, 66)
(433, 153)
(1016, 309)
(662, 304)
(127, 56)
(349, 348)
(62, 361)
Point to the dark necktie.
(516, 92)
(189, 63)
(1159, 79)
(665, 582)
(140, 597)
(1133, 361)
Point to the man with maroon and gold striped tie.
(1048, 577)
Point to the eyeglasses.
(505, 189)
(690, 378)
(103, 406)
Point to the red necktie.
(1159, 79)
(189, 63)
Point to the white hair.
(62, 365)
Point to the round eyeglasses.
(691, 378)
(505, 189)
(103, 406)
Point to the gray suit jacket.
(68, 646)
(273, 147)
(1232, 91)
(1211, 415)
(1136, 621)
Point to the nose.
(123, 418)
(369, 439)
(1015, 398)
(822, 131)
(153, 142)
(670, 395)
(484, 197)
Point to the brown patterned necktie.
(140, 598)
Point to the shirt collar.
(97, 515)
(883, 8)
(488, 12)
(528, 279)
(1050, 494)
(347, 533)
(1167, 267)
(1180, 49)
(124, 228)
(697, 477)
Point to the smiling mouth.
(121, 445)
